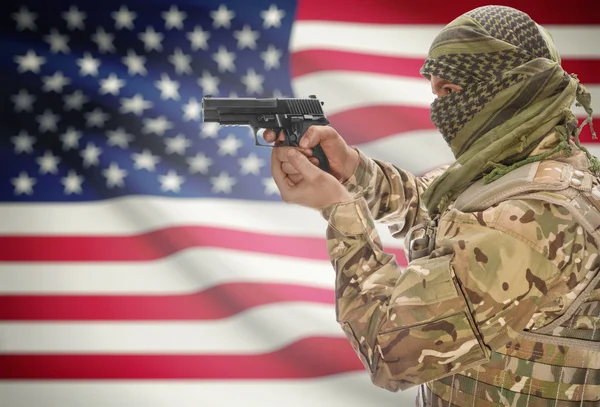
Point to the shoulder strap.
(536, 176)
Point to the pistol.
(293, 116)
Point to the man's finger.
(282, 152)
(308, 170)
(316, 135)
(277, 173)
(289, 168)
(269, 135)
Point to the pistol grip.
(320, 155)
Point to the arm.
(392, 195)
(444, 313)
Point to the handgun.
(293, 116)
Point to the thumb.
(312, 137)
(299, 161)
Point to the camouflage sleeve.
(392, 194)
(444, 313)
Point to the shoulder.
(545, 227)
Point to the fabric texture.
(455, 319)
(514, 93)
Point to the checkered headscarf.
(514, 93)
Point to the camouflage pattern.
(455, 319)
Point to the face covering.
(514, 93)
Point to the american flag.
(146, 258)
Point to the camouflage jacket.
(512, 267)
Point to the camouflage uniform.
(459, 318)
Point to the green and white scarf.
(514, 93)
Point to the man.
(500, 301)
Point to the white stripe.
(139, 214)
(345, 390)
(415, 151)
(413, 41)
(343, 90)
(186, 272)
(244, 333)
(421, 151)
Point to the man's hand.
(343, 160)
(317, 189)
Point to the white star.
(57, 42)
(246, 37)
(123, 18)
(199, 163)
(111, 85)
(48, 121)
(25, 19)
(29, 62)
(23, 184)
(181, 62)
(174, 18)
(72, 183)
(135, 105)
(198, 38)
(119, 137)
(91, 155)
(170, 182)
(271, 57)
(222, 183)
(74, 18)
(192, 110)
(96, 118)
(23, 142)
(177, 144)
(224, 59)
(135, 63)
(157, 126)
(209, 129)
(272, 17)
(253, 81)
(151, 39)
(277, 94)
(48, 163)
(145, 161)
(88, 65)
(70, 139)
(75, 100)
(222, 17)
(209, 83)
(270, 186)
(229, 145)
(55, 83)
(114, 175)
(251, 164)
(104, 40)
(169, 89)
(23, 101)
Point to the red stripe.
(158, 244)
(307, 358)
(310, 61)
(371, 123)
(441, 11)
(587, 70)
(306, 62)
(217, 302)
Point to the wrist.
(342, 197)
(350, 165)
